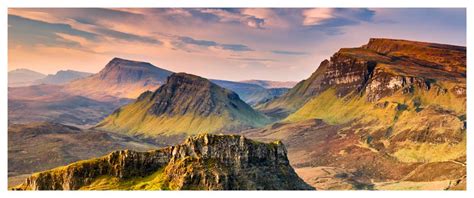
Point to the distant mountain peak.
(23, 70)
(126, 62)
(63, 77)
(120, 78)
(124, 65)
(23, 77)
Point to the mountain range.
(390, 114)
(23, 77)
(83, 99)
(26, 77)
(62, 77)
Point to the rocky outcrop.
(449, 58)
(384, 84)
(379, 69)
(208, 162)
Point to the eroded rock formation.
(208, 162)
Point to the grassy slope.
(400, 115)
(134, 119)
(154, 181)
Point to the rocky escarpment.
(379, 69)
(391, 108)
(186, 104)
(395, 85)
(207, 162)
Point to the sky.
(230, 44)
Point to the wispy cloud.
(127, 36)
(330, 20)
(27, 32)
(236, 47)
(282, 52)
(233, 16)
(184, 40)
(254, 59)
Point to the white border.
(4, 4)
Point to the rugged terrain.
(390, 115)
(204, 162)
(185, 105)
(41, 146)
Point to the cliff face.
(205, 162)
(379, 69)
(388, 107)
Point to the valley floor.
(333, 178)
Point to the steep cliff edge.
(385, 111)
(380, 69)
(204, 162)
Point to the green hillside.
(185, 105)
